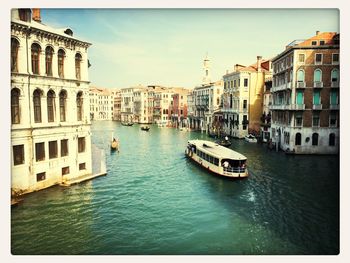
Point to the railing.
(301, 84)
(335, 84)
(297, 106)
(334, 106)
(234, 169)
(284, 86)
(317, 107)
(318, 84)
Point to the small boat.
(145, 128)
(226, 143)
(217, 159)
(114, 144)
(250, 138)
(127, 124)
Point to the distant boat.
(226, 143)
(145, 128)
(250, 138)
(217, 159)
(127, 124)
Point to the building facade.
(305, 94)
(243, 98)
(117, 104)
(101, 104)
(127, 105)
(50, 122)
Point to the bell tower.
(206, 68)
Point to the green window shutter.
(316, 97)
(317, 75)
(333, 97)
(299, 97)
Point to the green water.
(155, 201)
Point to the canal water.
(154, 201)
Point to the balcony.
(281, 87)
(334, 106)
(297, 107)
(318, 84)
(335, 84)
(278, 107)
(317, 106)
(301, 84)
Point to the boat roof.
(217, 150)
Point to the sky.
(167, 46)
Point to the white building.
(142, 105)
(101, 103)
(127, 105)
(50, 131)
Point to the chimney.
(36, 14)
(258, 63)
(317, 33)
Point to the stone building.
(305, 94)
(101, 103)
(243, 98)
(50, 122)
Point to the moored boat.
(250, 138)
(127, 124)
(145, 128)
(217, 159)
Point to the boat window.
(216, 161)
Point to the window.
(235, 83)
(64, 147)
(37, 105)
(40, 177)
(81, 144)
(332, 119)
(318, 59)
(317, 75)
(301, 58)
(245, 122)
(300, 97)
(315, 119)
(298, 139)
(63, 98)
(322, 42)
(315, 139)
(65, 170)
(15, 106)
(51, 106)
(52, 149)
(48, 60)
(245, 82)
(300, 75)
(317, 97)
(244, 104)
(82, 166)
(40, 151)
(77, 65)
(14, 54)
(36, 49)
(298, 119)
(333, 97)
(60, 56)
(18, 154)
(313, 43)
(335, 58)
(332, 139)
(335, 75)
(79, 106)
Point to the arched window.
(300, 75)
(63, 98)
(77, 66)
(317, 75)
(315, 139)
(79, 106)
(298, 139)
(37, 105)
(14, 54)
(335, 75)
(51, 106)
(15, 106)
(48, 60)
(332, 139)
(60, 56)
(36, 49)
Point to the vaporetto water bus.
(217, 159)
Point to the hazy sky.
(167, 46)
